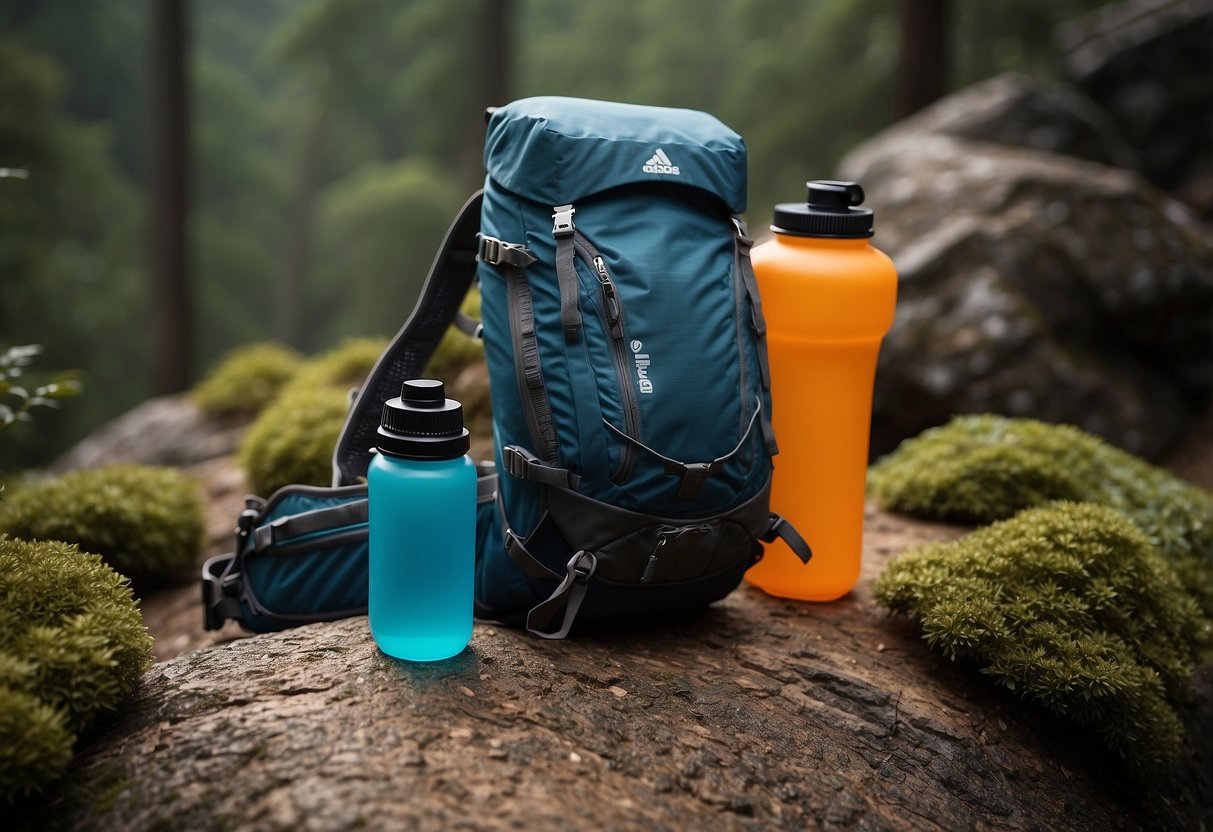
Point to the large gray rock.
(1033, 284)
(167, 430)
(1149, 64)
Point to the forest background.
(330, 142)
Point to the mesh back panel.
(445, 287)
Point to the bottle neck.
(824, 242)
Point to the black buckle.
(220, 593)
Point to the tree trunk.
(922, 63)
(289, 305)
(756, 714)
(172, 308)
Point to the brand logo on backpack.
(660, 163)
(642, 367)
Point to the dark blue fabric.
(668, 243)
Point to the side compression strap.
(528, 373)
(450, 277)
(744, 244)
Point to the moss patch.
(977, 469)
(292, 440)
(72, 647)
(146, 522)
(247, 379)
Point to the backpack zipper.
(610, 311)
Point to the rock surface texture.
(757, 714)
(1034, 283)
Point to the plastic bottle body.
(828, 303)
(422, 530)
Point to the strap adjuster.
(499, 252)
(582, 567)
(562, 221)
(517, 462)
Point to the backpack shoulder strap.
(448, 282)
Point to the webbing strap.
(781, 528)
(568, 596)
(516, 548)
(449, 280)
(758, 320)
(566, 272)
(528, 373)
(328, 519)
(524, 465)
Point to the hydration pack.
(627, 361)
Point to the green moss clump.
(344, 367)
(35, 745)
(984, 468)
(292, 440)
(247, 379)
(72, 647)
(145, 521)
(1070, 606)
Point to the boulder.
(166, 430)
(1032, 283)
(756, 714)
(1149, 65)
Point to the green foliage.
(344, 367)
(292, 440)
(983, 468)
(456, 350)
(146, 522)
(72, 647)
(13, 362)
(378, 231)
(247, 379)
(71, 250)
(35, 746)
(1070, 606)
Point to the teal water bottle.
(421, 489)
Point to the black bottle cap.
(828, 211)
(422, 423)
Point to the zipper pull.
(610, 297)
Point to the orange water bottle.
(828, 297)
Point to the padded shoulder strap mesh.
(406, 356)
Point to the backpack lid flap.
(556, 150)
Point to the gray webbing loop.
(566, 272)
(523, 559)
(568, 595)
(329, 519)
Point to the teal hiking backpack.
(626, 350)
